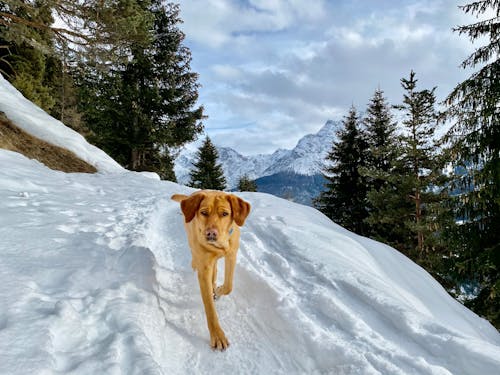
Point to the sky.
(272, 71)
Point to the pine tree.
(474, 139)
(420, 157)
(389, 190)
(142, 112)
(382, 145)
(344, 200)
(246, 184)
(405, 177)
(207, 173)
(98, 31)
(25, 62)
(381, 136)
(60, 79)
(391, 208)
(34, 67)
(29, 66)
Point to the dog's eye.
(225, 213)
(204, 213)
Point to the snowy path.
(95, 278)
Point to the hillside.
(14, 139)
(44, 127)
(95, 278)
(292, 186)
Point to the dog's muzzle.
(211, 235)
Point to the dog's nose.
(211, 234)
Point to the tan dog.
(212, 221)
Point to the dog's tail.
(179, 197)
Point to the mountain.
(292, 186)
(308, 156)
(293, 174)
(96, 278)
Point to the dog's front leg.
(227, 287)
(214, 277)
(218, 339)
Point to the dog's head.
(214, 214)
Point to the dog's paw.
(221, 291)
(218, 292)
(218, 340)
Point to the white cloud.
(215, 23)
(276, 70)
(226, 72)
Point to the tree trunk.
(418, 219)
(136, 159)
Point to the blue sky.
(274, 70)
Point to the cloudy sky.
(274, 70)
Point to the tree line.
(116, 71)
(437, 200)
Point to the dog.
(212, 220)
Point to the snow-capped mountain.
(305, 159)
(308, 156)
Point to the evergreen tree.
(382, 146)
(344, 200)
(29, 73)
(207, 174)
(405, 176)
(381, 137)
(145, 110)
(63, 86)
(98, 31)
(389, 190)
(475, 147)
(420, 157)
(25, 63)
(391, 207)
(33, 67)
(40, 59)
(246, 184)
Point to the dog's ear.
(178, 197)
(240, 208)
(190, 205)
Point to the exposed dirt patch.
(15, 139)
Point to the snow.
(95, 278)
(38, 123)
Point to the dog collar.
(231, 231)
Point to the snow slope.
(38, 123)
(95, 278)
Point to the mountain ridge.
(305, 159)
